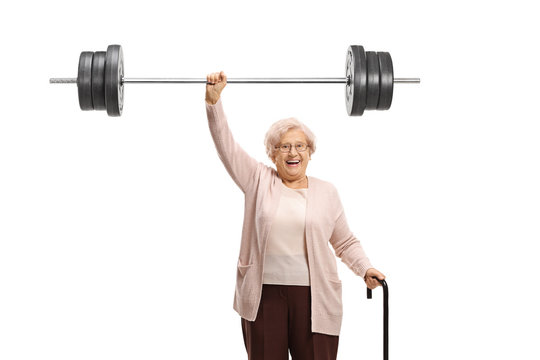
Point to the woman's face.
(286, 165)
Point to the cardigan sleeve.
(239, 164)
(347, 246)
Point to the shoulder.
(267, 174)
(268, 171)
(323, 186)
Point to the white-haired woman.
(288, 292)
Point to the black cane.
(385, 316)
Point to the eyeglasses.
(285, 148)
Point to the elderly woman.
(288, 292)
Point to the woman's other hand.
(372, 273)
(215, 83)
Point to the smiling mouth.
(293, 163)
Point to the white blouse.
(286, 254)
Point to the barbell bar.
(369, 80)
(234, 81)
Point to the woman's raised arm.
(239, 164)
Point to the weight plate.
(114, 73)
(98, 80)
(84, 80)
(386, 71)
(372, 61)
(355, 71)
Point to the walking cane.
(385, 316)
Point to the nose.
(293, 148)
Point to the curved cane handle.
(384, 285)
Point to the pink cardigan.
(325, 222)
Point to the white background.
(119, 237)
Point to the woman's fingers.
(372, 283)
(215, 83)
(216, 77)
(372, 278)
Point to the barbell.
(369, 80)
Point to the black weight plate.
(372, 61)
(98, 80)
(114, 73)
(84, 80)
(355, 90)
(386, 71)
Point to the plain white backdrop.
(119, 237)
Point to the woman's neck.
(296, 184)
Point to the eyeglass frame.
(278, 147)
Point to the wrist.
(211, 101)
(367, 273)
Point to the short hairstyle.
(279, 128)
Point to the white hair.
(279, 128)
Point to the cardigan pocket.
(331, 296)
(242, 269)
(335, 305)
(245, 282)
(333, 277)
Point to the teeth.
(293, 162)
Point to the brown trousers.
(284, 323)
